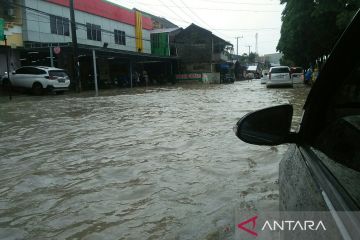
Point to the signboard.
(57, 50)
(2, 23)
(190, 76)
(107, 10)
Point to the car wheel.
(37, 88)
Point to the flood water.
(155, 163)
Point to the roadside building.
(120, 37)
(273, 58)
(11, 26)
(201, 54)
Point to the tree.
(310, 28)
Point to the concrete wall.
(37, 27)
(13, 60)
(211, 78)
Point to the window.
(36, 71)
(23, 70)
(339, 141)
(119, 37)
(59, 25)
(280, 70)
(93, 32)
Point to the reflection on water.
(134, 164)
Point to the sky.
(227, 19)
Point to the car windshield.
(280, 70)
(116, 117)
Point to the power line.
(170, 9)
(239, 3)
(199, 17)
(183, 10)
(208, 9)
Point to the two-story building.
(11, 27)
(120, 36)
(201, 53)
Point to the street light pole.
(75, 47)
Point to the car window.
(37, 71)
(280, 70)
(340, 138)
(57, 73)
(23, 70)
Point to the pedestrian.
(308, 76)
(136, 78)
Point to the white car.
(297, 74)
(279, 76)
(39, 78)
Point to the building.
(119, 36)
(273, 58)
(163, 41)
(202, 52)
(11, 23)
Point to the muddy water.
(134, 164)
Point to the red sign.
(246, 229)
(107, 10)
(57, 50)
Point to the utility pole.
(7, 67)
(237, 45)
(75, 47)
(249, 48)
(256, 43)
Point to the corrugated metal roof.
(164, 30)
(252, 68)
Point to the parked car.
(264, 76)
(297, 75)
(321, 169)
(279, 76)
(38, 79)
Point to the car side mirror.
(269, 126)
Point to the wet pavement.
(155, 163)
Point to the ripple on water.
(155, 163)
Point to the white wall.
(37, 27)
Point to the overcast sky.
(225, 18)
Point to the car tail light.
(270, 76)
(51, 77)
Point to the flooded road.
(159, 163)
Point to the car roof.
(45, 68)
(279, 67)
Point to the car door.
(17, 79)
